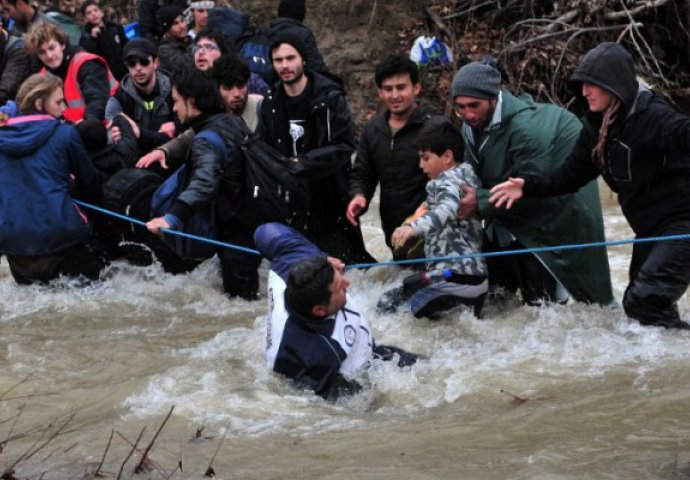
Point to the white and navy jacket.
(315, 352)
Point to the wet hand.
(355, 209)
(168, 128)
(506, 193)
(155, 156)
(156, 224)
(401, 235)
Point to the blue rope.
(167, 231)
(573, 246)
(558, 248)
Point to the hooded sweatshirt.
(38, 157)
(647, 152)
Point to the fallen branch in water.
(129, 455)
(97, 473)
(145, 456)
(516, 400)
(20, 382)
(209, 471)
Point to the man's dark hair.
(193, 83)
(86, 5)
(396, 65)
(230, 71)
(438, 135)
(224, 44)
(308, 284)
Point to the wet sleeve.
(577, 170)
(283, 246)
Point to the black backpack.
(128, 192)
(254, 48)
(274, 188)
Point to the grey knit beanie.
(477, 80)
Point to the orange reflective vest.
(76, 106)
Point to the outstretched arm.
(284, 246)
(506, 193)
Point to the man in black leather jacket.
(211, 177)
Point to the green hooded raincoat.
(529, 138)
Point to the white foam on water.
(214, 371)
(522, 350)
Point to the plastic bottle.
(420, 280)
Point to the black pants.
(343, 241)
(659, 276)
(239, 269)
(76, 261)
(523, 272)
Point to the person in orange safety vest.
(87, 78)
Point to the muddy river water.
(599, 396)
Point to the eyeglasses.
(132, 62)
(207, 47)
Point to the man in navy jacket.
(315, 334)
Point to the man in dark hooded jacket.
(290, 20)
(305, 116)
(640, 145)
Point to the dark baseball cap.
(140, 47)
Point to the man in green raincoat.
(507, 136)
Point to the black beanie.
(166, 17)
(291, 39)
(292, 9)
(93, 134)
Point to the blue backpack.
(228, 21)
(202, 223)
(254, 48)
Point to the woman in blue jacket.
(42, 231)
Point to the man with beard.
(290, 19)
(210, 176)
(141, 109)
(305, 117)
(508, 136)
(232, 76)
(387, 152)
